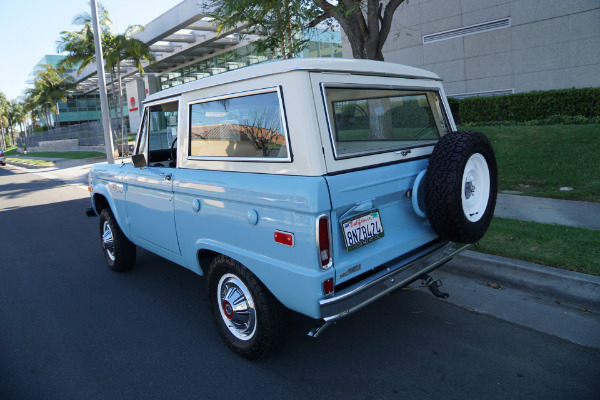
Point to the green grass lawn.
(11, 151)
(539, 160)
(566, 247)
(33, 161)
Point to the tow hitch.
(434, 286)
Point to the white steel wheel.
(237, 307)
(461, 184)
(475, 190)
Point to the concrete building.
(486, 47)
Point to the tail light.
(324, 242)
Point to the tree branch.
(319, 19)
(386, 21)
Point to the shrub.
(552, 120)
(521, 107)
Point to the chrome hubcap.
(108, 242)
(236, 307)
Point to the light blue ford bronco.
(311, 185)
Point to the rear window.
(371, 120)
(249, 125)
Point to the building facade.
(487, 47)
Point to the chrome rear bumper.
(394, 277)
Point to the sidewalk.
(549, 211)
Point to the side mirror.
(139, 160)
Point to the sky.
(29, 29)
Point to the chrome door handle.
(166, 176)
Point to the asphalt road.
(72, 329)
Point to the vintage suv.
(311, 185)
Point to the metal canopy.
(181, 36)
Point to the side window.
(247, 126)
(158, 136)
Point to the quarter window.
(247, 126)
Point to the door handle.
(166, 176)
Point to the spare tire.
(461, 185)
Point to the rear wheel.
(461, 185)
(249, 318)
(118, 250)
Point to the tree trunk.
(120, 94)
(114, 99)
(57, 122)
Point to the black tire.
(260, 323)
(458, 209)
(119, 252)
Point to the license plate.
(362, 229)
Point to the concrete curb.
(567, 287)
(25, 165)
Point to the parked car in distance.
(2, 158)
(310, 185)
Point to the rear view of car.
(310, 185)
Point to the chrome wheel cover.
(108, 242)
(475, 190)
(236, 307)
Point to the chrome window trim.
(145, 118)
(273, 89)
(325, 85)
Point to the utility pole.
(110, 150)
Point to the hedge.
(523, 107)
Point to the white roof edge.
(342, 65)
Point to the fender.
(296, 287)
(113, 192)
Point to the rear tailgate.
(386, 189)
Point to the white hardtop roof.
(342, 65)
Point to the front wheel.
(118, 250)
(249, 318)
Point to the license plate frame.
(354, 234)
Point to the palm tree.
(49, 88)
(3, 119)
(80, 44)
(116, 49)
(124, 47)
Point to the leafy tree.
(366, 23)
(278, 23)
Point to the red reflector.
(284, 238)
(328, 286)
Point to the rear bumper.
(393, 277)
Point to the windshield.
(369, 120)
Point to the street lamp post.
(102, 85)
